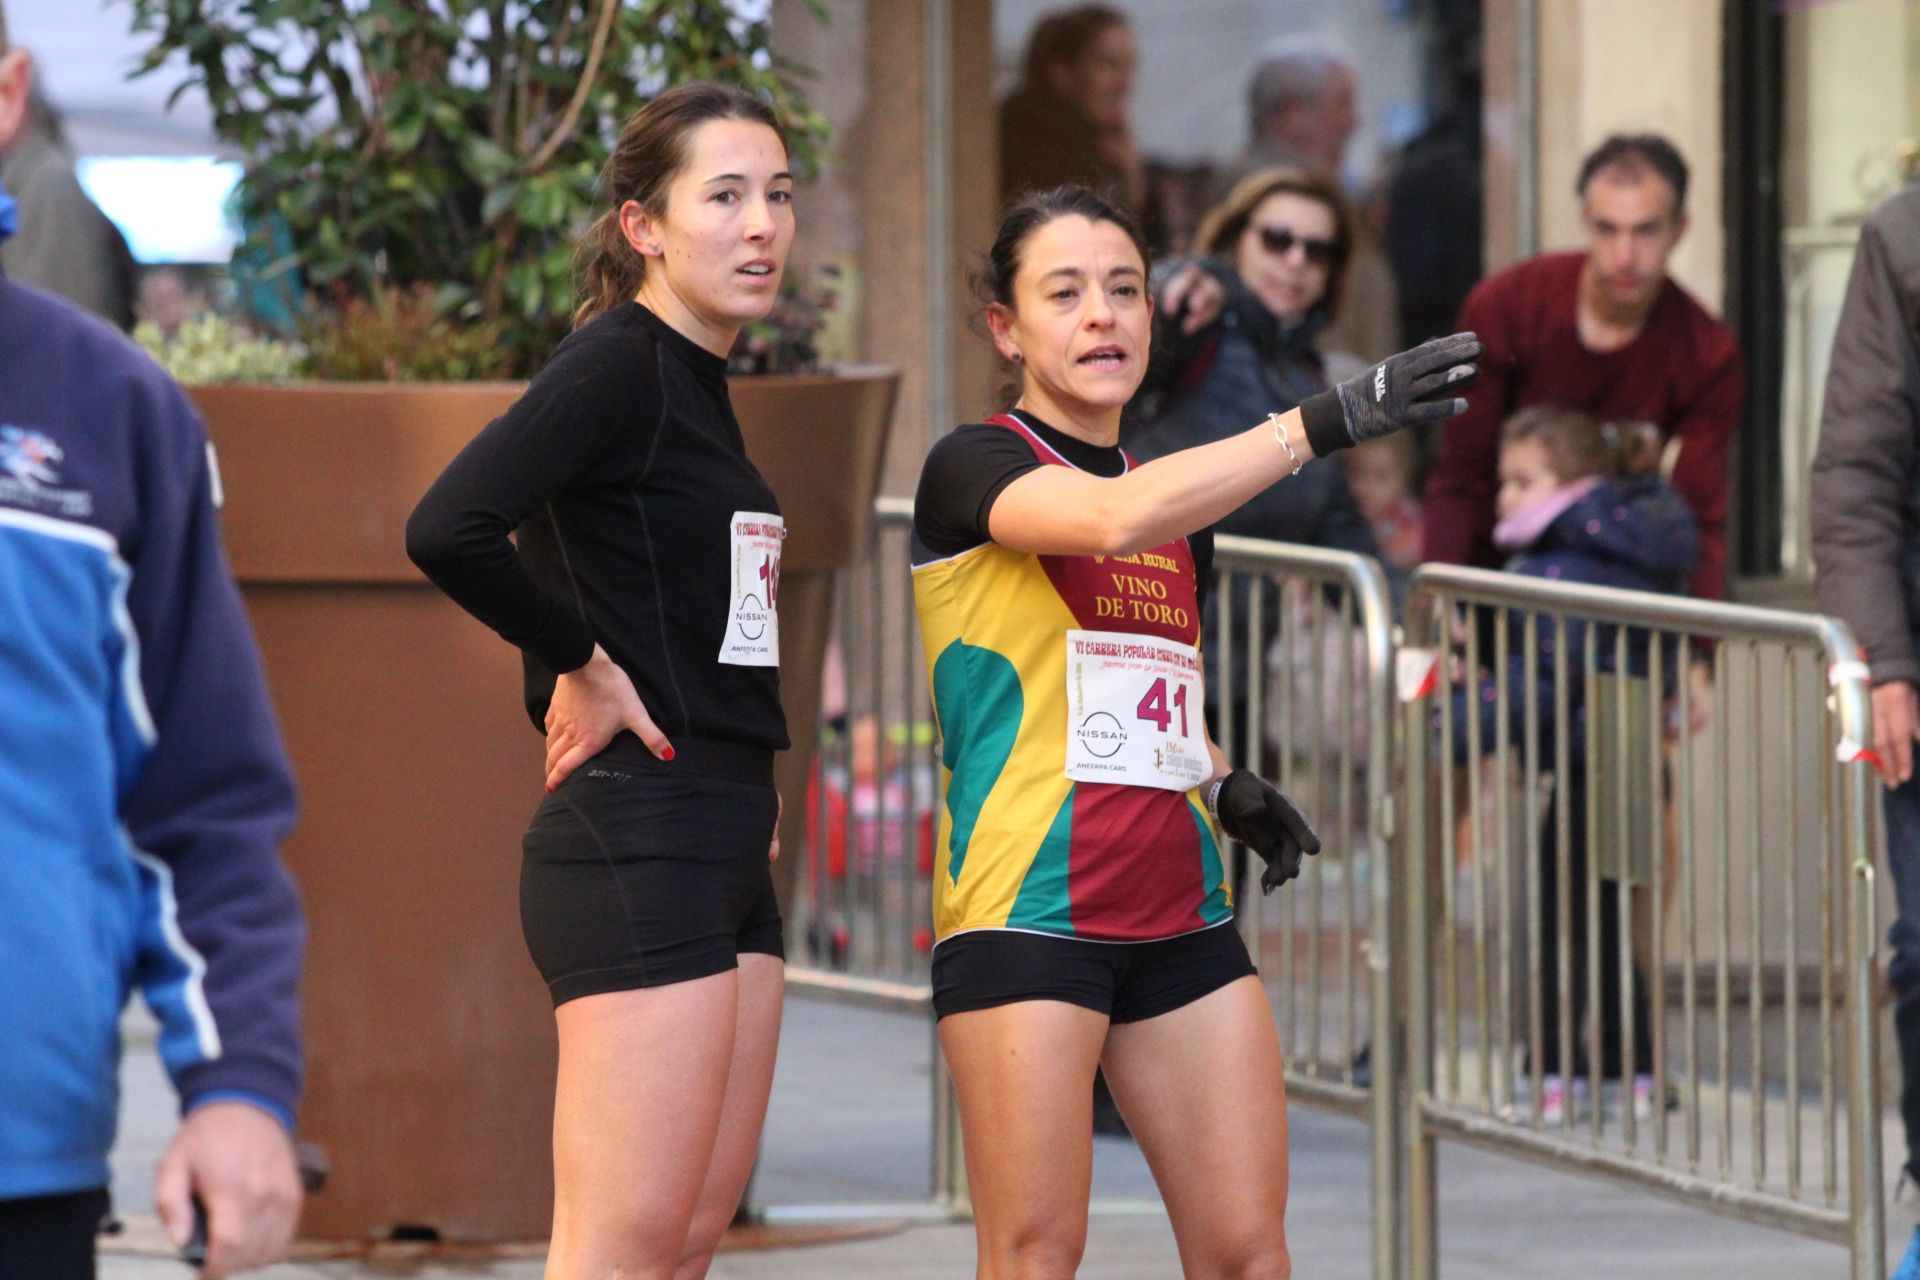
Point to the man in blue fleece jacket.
(143, 797)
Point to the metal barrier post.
(1385, 969)
(1413, 987)
(1855, 706)
(949, 1152)
(1863, 1102)
(1327, 600)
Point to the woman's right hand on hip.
(588, 708)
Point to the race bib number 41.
(1134, 713)
(753, 624)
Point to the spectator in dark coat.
(1302, 112)
(1866, 553)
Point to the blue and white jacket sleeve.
(207, 794)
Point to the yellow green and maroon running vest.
(1021, 845)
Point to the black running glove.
(1260, 817)
(1406, 390)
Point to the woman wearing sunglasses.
(1235, 330)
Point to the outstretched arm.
(1061, 511)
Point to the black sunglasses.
(1279, 241)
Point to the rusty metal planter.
(429, 1036)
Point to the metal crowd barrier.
(1423, 977)
(861, 926)
(864, 917)
(1559, 796)
(1299, 687)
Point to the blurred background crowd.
(1382, 116)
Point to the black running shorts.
(639, 872)
(1128, 981)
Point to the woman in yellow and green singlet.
(1081, 905)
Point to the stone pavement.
(840, 1134)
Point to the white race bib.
(753, 624)
(1134, 713)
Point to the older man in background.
(1301, 113)
(65, 245)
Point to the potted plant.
(418, 169)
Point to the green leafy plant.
(209, 348)
(448, 143)
(404, 335)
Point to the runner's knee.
(634, 1246)
(1266, 1261)
(1038, 1252)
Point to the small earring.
(1015, 357)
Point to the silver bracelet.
(1213, 800)
(1273, 420)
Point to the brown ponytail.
(648, 156)
(613, 271)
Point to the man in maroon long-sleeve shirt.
(1608, 332)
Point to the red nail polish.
(667, 754)
(549, 790)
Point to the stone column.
(908, 192)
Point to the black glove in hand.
(1414, 387)
(1260, 817)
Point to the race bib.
(753, 624)
(1134, 713)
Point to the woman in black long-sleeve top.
(642, 596)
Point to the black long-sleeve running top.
(642, 526)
